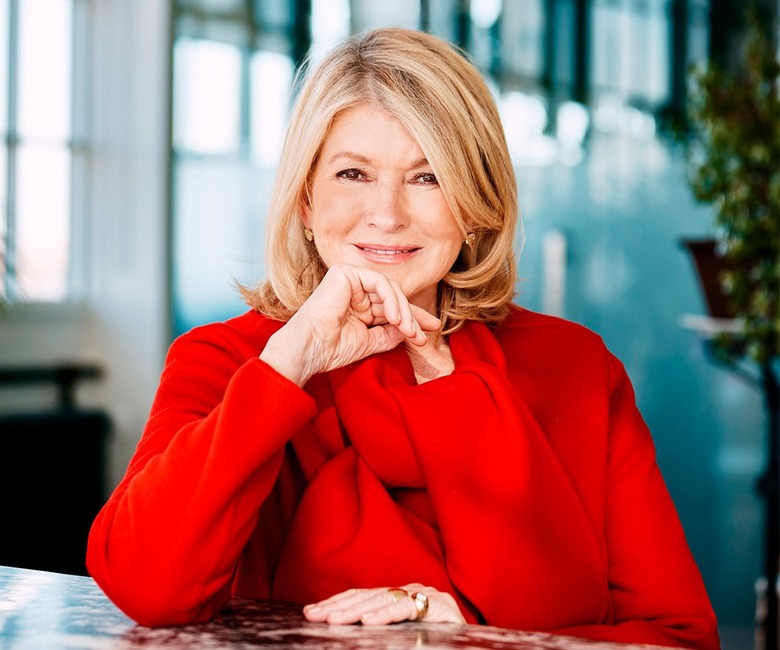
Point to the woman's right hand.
(353, 313)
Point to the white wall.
(122, 324)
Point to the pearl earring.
(470, 239)
(309, 234)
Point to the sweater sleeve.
(166, 544)
(656, 589)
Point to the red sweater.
(524, 484)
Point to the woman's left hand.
(382, 606)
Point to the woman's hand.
(353, 313)
(381, 607)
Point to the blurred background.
(140, 143)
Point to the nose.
(388, 209)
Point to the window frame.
(76, 147)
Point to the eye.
(426, 178)
(352, 175)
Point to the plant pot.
(709, 266)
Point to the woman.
(384, 435)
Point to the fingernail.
(312, 608)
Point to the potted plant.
(733, 148)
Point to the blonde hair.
(444, 102)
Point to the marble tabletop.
(51, 611)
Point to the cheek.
(437, 218)
(447, 251)
(335, 210)
(452, 256)
(454, 243)
(449, 233)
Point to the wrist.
(286, 355)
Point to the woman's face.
(376, 203)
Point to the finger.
(383, 338)
(345, 598)
(377, 602)
(377, 310)
(393, 612)
(350, 607)
(321, 610)
(427, 321)
(406, 322)
(383, 299)
(442, 607)
(408, 327)
(351, 287)
(380, 608)
(377, 289)
(423, 322)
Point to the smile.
(377, 254)
(387, 251)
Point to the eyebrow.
(419, 162)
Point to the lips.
(387, 254)
(387, 251)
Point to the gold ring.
(421, 603)
(397, 593)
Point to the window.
(630, 54)
(42, 167)
(233, 68)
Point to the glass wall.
(234, 62)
